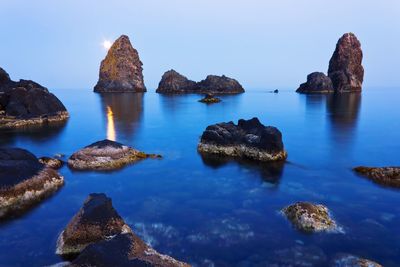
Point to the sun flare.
(107, 44)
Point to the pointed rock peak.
(4, 77)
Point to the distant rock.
(345, 68)
(387, 176)
(346, 260)
(121, 70)
(27, 103)
(309, 217)
(100, 237)
(106, 155)
(317, 82)
(209, 99)
(174, 83)
(24, 181)
(248, 139)
(53, 163)
(276, 91)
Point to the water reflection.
(343, 109)
(123, 113)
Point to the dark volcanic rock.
(345, 69)
(174, 83)
(24, 181)
(209, 99)
(317, 82)
(388, 176)
(106, 155)
(26, 103)
(121, 70)
(346, 260)
(248, 139)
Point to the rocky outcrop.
(248, 139)
(317, 82)
(106, 155)
(209, 99)
(309, 217)
(121, 70)
(346, 260)
(100, 237)
(27, 103)
(345, 68)
(174, 83)
(24, 181)
(51, 162)
(387, 176)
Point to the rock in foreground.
(388, 176)
(345, 260)
(317, 82)
(248, 139)
(209, 99)
(345, 67)
(24, 181)
(174, 83)
(309, 217)
(27, 103)
(121, 70)
(106, 155)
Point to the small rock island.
(121, 70)
(98, 236)
(106, 155)
(387, 176)
(173, 82)
(248, 139)
(345, 72)
(210, 99)
(347, 260)
(24, 181)
(25, 103)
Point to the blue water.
(209, 212)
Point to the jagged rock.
(209, 99)
(309, 217)
(248, 139)
(345, 66)
(346, 260)
(106, 155)
(27, 103)
(101, 238)
(174, 83)
(121, 70)
(388, 176)
(24, 181)
(53, 163)
(317, 82)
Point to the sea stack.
(317, 82)
(345, 68)
(173, 82)
(25, 103)
(121, 70)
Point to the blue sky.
(264, 44)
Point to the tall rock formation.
(121, 70)
(345, 69)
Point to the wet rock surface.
(317, 82)
(121, 70)
(174, 83)
(53, 163)
(310, 217)
(345, 66)
(387, 176)
(346, 260)
(209, 99)
(106, 155)
(248, 139)
(27, 103)
(24, 181)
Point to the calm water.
(209, 212)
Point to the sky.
(264, 44)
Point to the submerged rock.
(346, 260)
(345, 66)
(100, 237)
(174, 83)
(388, 176)
(309, 217)
(248, 139)
(53, 163)
(24, 181)
(27, 103)
(121, 70)
(317, 82)
(209, 99)
(106, 155)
